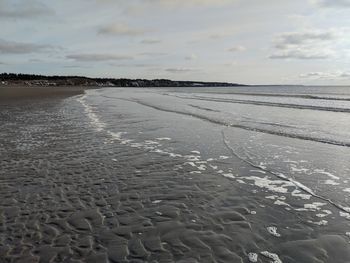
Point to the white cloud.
(97, 57)
(120, 29)
(305, 45)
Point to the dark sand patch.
(9, 93)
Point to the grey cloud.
(75, 66)
(35, 60)
(236, 49)
(304, 45)
(12, 47)
(133, 65)
(333, 3)
(173, 3)
(120, 29)
(23, 9)
(153, 54)
(300, 54)
(345, 75)
(297, 38)
(216, 36)
(151, 41)
(191, 57)
(97, 57)
(335, 75)
(179, 70)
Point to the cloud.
(219, 35)
(151, 41)
(97, 57)
(120, 29)
(75, 66)
(12, 47)
(305, 45)
(180, 70)
(335, 75)
(153, 54)
(191, 57)
(189, 2)
(302, 54)
(139, 65)
(35, 60)
(332, 3)
(236, 49)
(23, 9)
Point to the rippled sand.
(71, 194)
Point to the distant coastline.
(29, 80)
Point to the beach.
(24, 92)
(175, 175)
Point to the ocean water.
(234, 174)
(301, 134)
(293, 143)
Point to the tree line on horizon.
(120, 82)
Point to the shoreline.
(23, 92)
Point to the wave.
(153, 146)
(299, 96)
(263, 103)
(242, 126)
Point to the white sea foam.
(95, 122)
(272, 256)
(278, 186)
(324, 213)
(298, 193)
(331, 182)
(229, 175)
(315, 206)
(319, 223)
(273, 231)
(344, 214)
(253, 257)
(258, 171)
(299, 170)
(282, 203)
(321, 171)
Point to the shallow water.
(178, 175)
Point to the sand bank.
(38, 92)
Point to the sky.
(240, 41)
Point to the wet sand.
(18, 92)
(71, 194)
